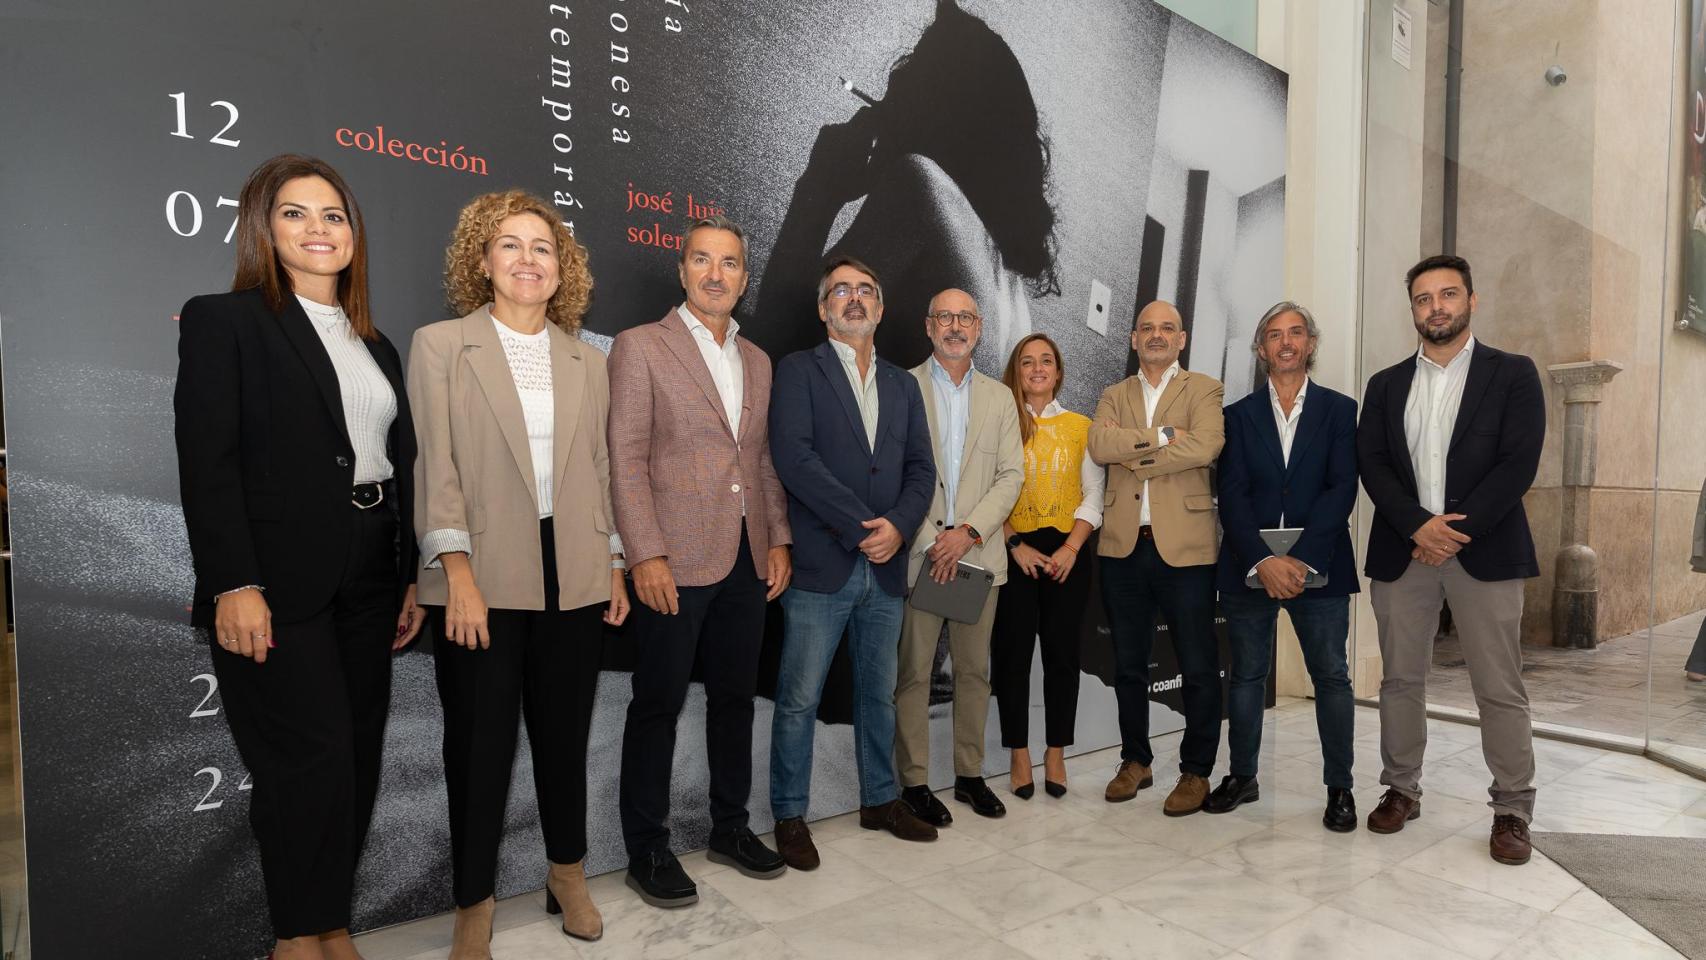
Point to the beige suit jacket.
(1181, 487)
(992, 469)
(678, 474)
(475, 470)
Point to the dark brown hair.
(1010, 376)
(257, 258)
(1443, 261)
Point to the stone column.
(1575, 588)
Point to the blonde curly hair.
(465, 283)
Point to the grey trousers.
(968, 645)
(1488, 615)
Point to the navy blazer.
(835, 481)
(1315, 491)
(1491, 460)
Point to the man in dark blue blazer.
(1449, 442)
(1289, 462)
(851, 444)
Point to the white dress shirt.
(723, 361)
(1430, 413)
(1151, 397)
(864, 388)
(370, 405)
(1092, 476)
(953, 415)
(1286, 424)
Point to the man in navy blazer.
(851, 443)
(1289, 462)
(1449, 442)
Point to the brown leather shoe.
(1130, 778)
(1394, 811)
(898, 819)
(1509, 843)
(794, 843)
(1187, 796)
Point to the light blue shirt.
(953, 413)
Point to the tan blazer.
(475, 470)
(992, 469)
(678, 474)
(1181, 488)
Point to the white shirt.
(370, 405)
(723, 361)
(953, 418)
(864, 389)
(1151, 397)
(1092, 476)
(529, 357)
(1430, 413)
(1287, 427)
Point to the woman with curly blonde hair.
(519, 555)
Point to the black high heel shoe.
(1056, 790)
(1026, 792)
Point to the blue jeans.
(812, 626)
(1322, 625)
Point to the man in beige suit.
(1159, 433)
(705, 528)
(980, 465)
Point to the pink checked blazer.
(677, 473)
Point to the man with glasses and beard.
(1448, 444)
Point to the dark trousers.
(1026, 611)
(1134, 589)
(1322, 625)
(543, 666)
(1697, 655)
(720, 625)
(309, 724)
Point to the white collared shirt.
(953, 417)
(1286, 423)
(1151, 398)
(1092, 476)
(370, 405)
(1430, 413)
(723, 362)
(864, 389)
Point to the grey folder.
(960, 599)
(1280, 540)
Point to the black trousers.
(310, 724)
(542, 667)
(1027, 610)
(722, 626)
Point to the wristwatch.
(976, 537)
(1013, 541)
(1168, 433)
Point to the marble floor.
(1081, 878)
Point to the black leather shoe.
(1232, 793)
(983, 800)
(925, 806)
(746, 853)
(1341, 815)
(659, 880)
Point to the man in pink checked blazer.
(704, 525)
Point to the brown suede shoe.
(1187, 796)
(1509, 843)
(1130, 778)
(1394, 811)
(898, 819)
(794, 843)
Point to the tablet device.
(1280, 540)
(960, 599)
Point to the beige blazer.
(475, 470)
(1181, 486)
(992, 469)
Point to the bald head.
(953, 325)
(1158, 336)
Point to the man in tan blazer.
(705, 529)
(980, 466)
(1159, 433)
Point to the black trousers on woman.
(1027, 609)
(309, 724)
(542, 667)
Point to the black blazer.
(1490, 463)
(1315, 491)
(265, 463)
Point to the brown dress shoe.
(898, 819)
(1130, 778)
(1509, 843)
(1394, 811)
(794, 843)
(1187, 796)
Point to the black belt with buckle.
(1146, 532)
(366, 496)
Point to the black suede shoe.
(746, 853)
(1232, 793)
(925, 806)
(659, 880)
(983, 800)
(1341, 815)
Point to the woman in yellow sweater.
(1059, 508)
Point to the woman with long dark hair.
(295, 451)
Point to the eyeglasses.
(842, 291)
(964, 318)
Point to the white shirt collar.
(939, 372)
(697, 327)
(1053, 409)
(1166, 378)
(850, 358)
(1462, 356)
(1273, 394)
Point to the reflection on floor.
(1602, 690)
(1078, 877)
